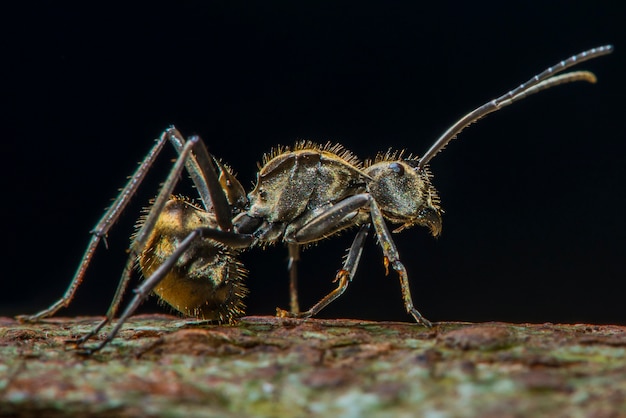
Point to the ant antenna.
(542, 81)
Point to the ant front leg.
(391, 258)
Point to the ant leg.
(113, 307)
(325, 223)
(193, 168)
(391, 257)
(330, 220)
(231, 239)
(292, 266)
(209, 180)
(344, 277)
(100, 230)
(139, 242)
(220, 206)
(216, 192)
(142, 292)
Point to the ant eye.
(397, 168)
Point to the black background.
(534, 226)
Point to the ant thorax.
(295, 185)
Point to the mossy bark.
(270, 367)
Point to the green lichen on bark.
(271, 367)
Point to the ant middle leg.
(343, 278)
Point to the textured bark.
(270, 367)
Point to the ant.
(302, 195)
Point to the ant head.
(404, 193)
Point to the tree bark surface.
(271, 367)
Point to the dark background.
(534, 226)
